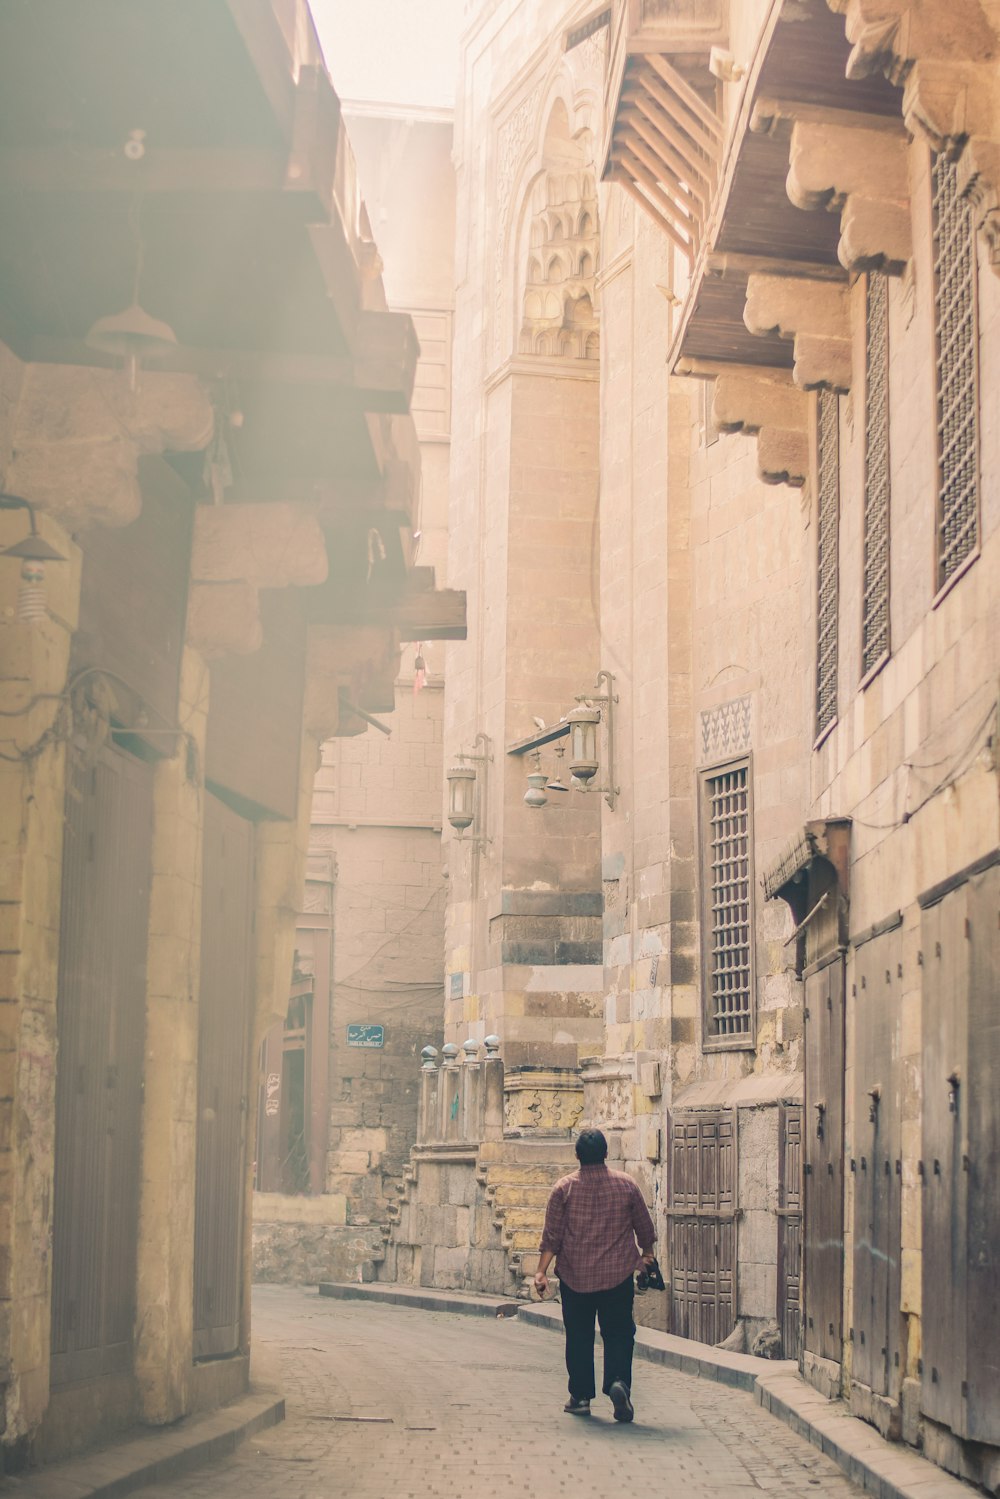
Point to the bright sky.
(391, 51)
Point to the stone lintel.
(270, 545)
(815, 315)
(78, 435)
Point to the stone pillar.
(34, 661)
(429, 1084)
(165, 1266)
(493, 1090)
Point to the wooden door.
(876, 1165)
(823, 1169)
(101, 1021)
(960, 1159)
(789, 1311)
(224, 1031)
(702, 1218)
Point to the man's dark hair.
(591, 1147)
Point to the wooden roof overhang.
(753, 226)
(242, 194)
(663, 134)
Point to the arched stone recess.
(944, 57)
(548, 249)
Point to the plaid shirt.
(592, 1222)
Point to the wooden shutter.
(823, 1187)
(702, 1216)
(101, 1018)
(876, 1165)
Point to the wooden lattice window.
(827, 557)
(875, 618)
(728, 886)
(957, 394)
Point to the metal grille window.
(958, 406)
(727, 883)
(875, 620)
(827, 559)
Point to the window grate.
(827, 559)
(728, 867)
(875, 619)
(958, 406)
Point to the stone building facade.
(371, 938)
(206, 570)
(785, 618)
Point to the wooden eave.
(753, 225)
(256, 248)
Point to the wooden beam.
(437, 615)
(638, 148)
(698, 138)
(687, 95)
(695, 191)
(378, 378)
(699, 168)
(631, 187)
(658, 192)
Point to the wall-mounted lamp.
(34, 551)
(535, 797)
(584, 754)
(462, 800)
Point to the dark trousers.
(613, 1310)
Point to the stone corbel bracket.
(237, 550)
(853, 164)
(78, 434)
(768, 405)
(944, 57)
(348, 656)
(815, 314)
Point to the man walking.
(594, 1221)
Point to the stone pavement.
(388, 1403)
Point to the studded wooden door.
(101, 1019)
(823, 1169)
(790, 1228)
(224, 1026)
(876, 1165)
(702, 1217)
(960, 1159)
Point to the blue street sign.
(372, 1036)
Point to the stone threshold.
(154, 1457)
(423, 1299)
(884, 1469)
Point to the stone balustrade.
(461, 1095)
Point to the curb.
(460, 1302)
(884, 1469)
(154, 1457)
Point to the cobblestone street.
(384, 1401)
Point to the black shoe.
(577, 1407)
(619, 1398)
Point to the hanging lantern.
(535, 796)
(583, 761)
(461, 796)
(134, 337)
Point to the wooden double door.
(702, 1224)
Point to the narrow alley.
(384, 1400)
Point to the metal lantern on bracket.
(464, 808)
(461, 796)
(583, 761)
